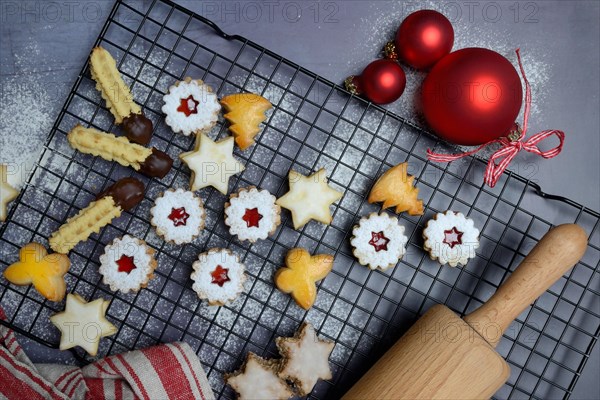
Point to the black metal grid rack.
(314, 123)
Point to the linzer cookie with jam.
(178, 216)
(218, 276)
(451, 238)
(122, 196)
(127, 264)
(148, 161)
(191, 107)
(118, 97)
(378, 241)
(252, 214)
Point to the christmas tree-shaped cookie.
(245, 112)
(395, 189)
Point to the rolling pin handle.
(559, 250)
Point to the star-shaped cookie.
(305, 359)
(7, 192)
(309, 198)
(258, 380)
(301, 272)
(83, 324)
(212, 163)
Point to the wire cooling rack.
(314, 123)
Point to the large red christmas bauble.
(423, 38)
(472, 96)
(382, 81)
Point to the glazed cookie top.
(178, 216)
(190, 106)
(127, 264)
(378, 241)
(252, 214)
(451, 238)
(218, 276)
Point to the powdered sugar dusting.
(26, 110)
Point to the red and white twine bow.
(511, 145)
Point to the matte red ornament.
(472, 96)
(126, 264)
(382, 81)
(424, 38)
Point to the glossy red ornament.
(382, 81)
(472, 96)
(423, 38)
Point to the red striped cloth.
(167, 371)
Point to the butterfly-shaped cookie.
(245, 112)
(45, 271)
(301, 272)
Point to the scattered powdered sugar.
(27, 101)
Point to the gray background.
(43, 46)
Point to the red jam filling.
(252, 217)
(219, 276)
(453, 237)
(188, 106)
(179, 216)
(379, 241)
(125, 264)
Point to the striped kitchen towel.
(167, 371)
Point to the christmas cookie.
(45, 271)
(395, 189)
(378, 241)
(191, 106)
(127, 264)
(212, 163)
(451, 238)
(245, 112)
(257, 379)
(7, 192)
(123, 195)
(309, 198)
(305, 359)
(218, 276)
(150, 162)
(300, 274)
(117, 95)
(78, 317)
(178, 216)
(252, 214)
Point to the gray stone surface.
(43, 46)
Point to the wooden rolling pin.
(445, 357)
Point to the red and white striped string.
(509, 146)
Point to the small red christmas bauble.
(382, 81)
(423, 38)
(472, 96)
